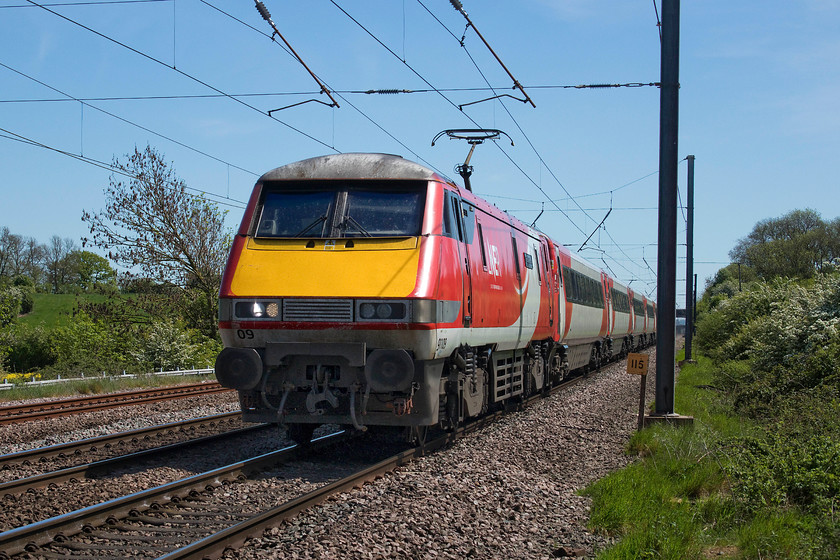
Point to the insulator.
(263, 10)
(456, 4)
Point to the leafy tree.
(151, 224)
(89, 270)
(57, 262)
(795, 245)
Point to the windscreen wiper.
(312, 225)
(358, 226)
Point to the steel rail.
(65, 407)
(233, 537)
(22, 485)
(95, 443)
(60, 528)
(34, 535)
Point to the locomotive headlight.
(256, 309)
(393, 311)
(367, 310)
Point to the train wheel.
(418, 435)
(301, 434)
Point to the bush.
(10, 304)
(27, 349)
(168, 346)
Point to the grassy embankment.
(54, 310)
(677, 501)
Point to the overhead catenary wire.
(338, 93)
(127, 121)
(432, 90)
(542, 161)
(393, 91)
(182, 73)
(108, 167)
(91, 3)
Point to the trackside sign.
(637, 364)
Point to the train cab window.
(345, 209)
(451, 217)
(381, 214)
(515, 255)
(481, 247)
(468, 217)
(296, 214)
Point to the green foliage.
(11, 299)
(168, 346)
(90, 271)
(796, 245)
(151, 224)
(769, 471)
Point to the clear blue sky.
(759, 88)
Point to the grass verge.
(676, 501)
(97, 385)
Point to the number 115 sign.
(637, 363)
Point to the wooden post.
(637, 364)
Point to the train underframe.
(310, 384)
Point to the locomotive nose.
(239, 368)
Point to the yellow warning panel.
(637, 364)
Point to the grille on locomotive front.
(318, 310)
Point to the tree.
(151, 224)
(795, 245)
(58, 265)
(89, 270)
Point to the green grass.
(51, 310)
(675, 502)
(97, 385)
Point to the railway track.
(65, 407)
(187, 518)
(111, 442)
(86, 470)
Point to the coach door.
(459, 223)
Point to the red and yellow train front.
(330, 300)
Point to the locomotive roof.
(352, 166)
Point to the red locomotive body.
(364, 289)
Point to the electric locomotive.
(368, 290)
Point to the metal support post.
(689, 260)
(666, 281)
